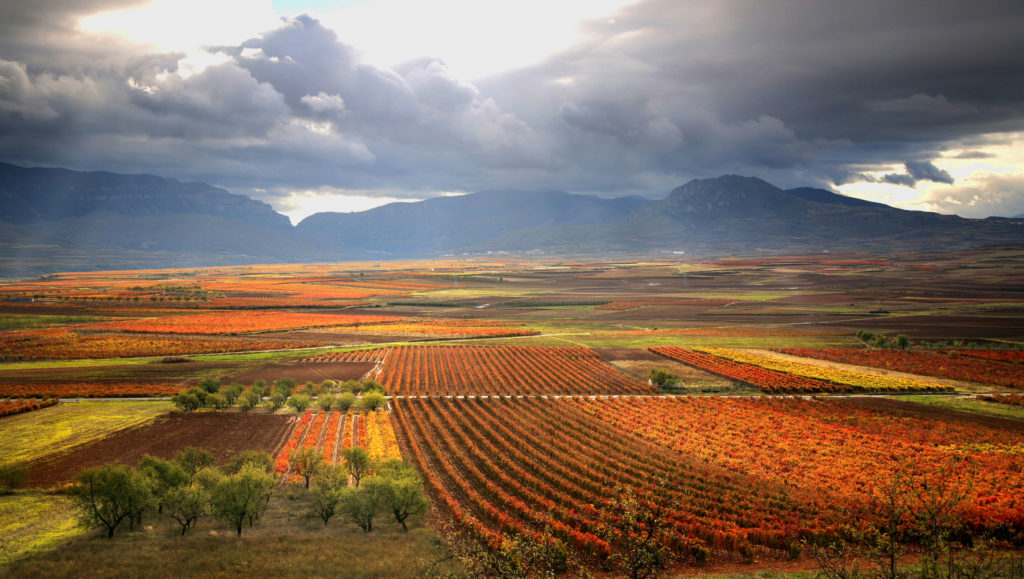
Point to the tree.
(284, 386)
(258, 387)
(164, 475)
(275, 402)
(185, 504)
(186, 401)
(193, 459)
(242, 497)
(247, 401)
(902, 342)
(232, 392)
(300, 402)
(663, 379)
(327, 491)
(538, 555)
(217, 401)
(373, 400)
(210, 385)
(401, 491)
(108, 495)
(345, 401)
(256, 458)
(306, 462)
(362, 503)
(373, 386)
(325, 402)
(357, 461)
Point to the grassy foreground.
(33, 522)
(57, 429)
(288, 542)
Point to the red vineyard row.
(12, 406)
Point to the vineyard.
(240, 322)
(742, 476)
(331, 433)
(511, 370)
(967, 368)
(769, 381)
(857, 381)
(12, 406)
(64, 344)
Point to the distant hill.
(30, 195)
(450, 223)
(59, 220)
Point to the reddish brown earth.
(306, 372)
(223, 434)
(908, 407)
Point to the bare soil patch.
(908, 407)
(223, 434)
(612, 354)
(306, 372)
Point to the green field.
(32, 522)
(57, 429)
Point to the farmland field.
(760, 403)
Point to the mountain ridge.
(162, 222)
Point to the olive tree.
(106, 496)
(306, 462)
(242, 497)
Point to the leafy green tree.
(328, 490)
(232, 392)
(300, 402)
(185, 504)
(275, 402)
(247, 401)
(362, 503)
(217, 401)
(325, 402)
(210, 385)
(186, 401)
(373, 386)
(401, 491)
(164, 474)
(284, 386)
(192, 459)
(345, 401)
(256, 458)
(663, 379)
(258, 387)
(357, 461)
(328, 385)
(902, 342)
(373, 400)
(242, 497)
(108, 495)
(306, 462)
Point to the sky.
(317, 105)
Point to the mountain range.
(59, 220)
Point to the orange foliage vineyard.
(743, 475)
(433, 370)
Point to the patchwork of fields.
(525, 396)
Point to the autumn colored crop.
(418, 370)
(12, 406)
(956, 367)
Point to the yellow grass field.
(57, 429)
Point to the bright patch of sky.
(975, 170)
(301, 204)
(475, 39)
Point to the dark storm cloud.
(798, 92)
(807, 89)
